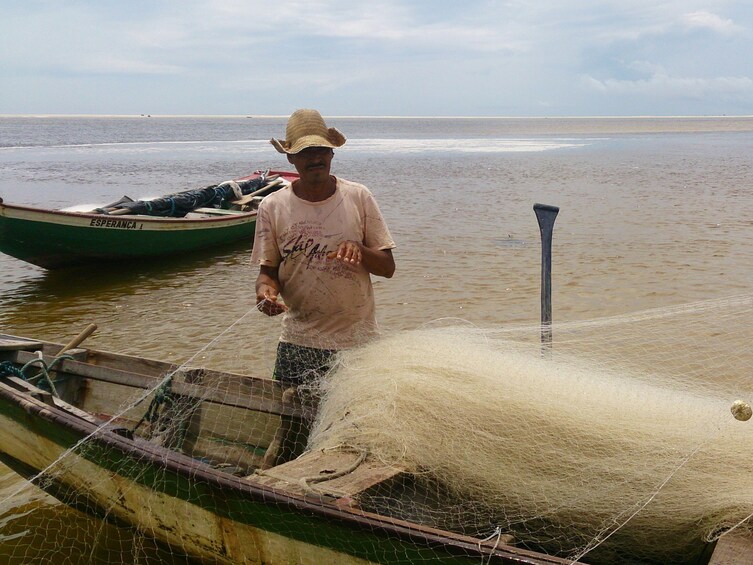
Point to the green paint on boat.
(53, 239)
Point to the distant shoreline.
(272, 116)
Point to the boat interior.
(229, 422)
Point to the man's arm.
(268, 290)
(379, 262)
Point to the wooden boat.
(54, 238)
(196, 486)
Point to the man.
(317, 245)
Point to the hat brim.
(334, 139)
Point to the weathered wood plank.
(233, 382)
(105, 399)
(101, 403)
(13, 344)
(235, 424)
(262, 395)
(244, 457)
(218, 212)
(300, 476)
(22, 385)
(733, 549)
(230, 409)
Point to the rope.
(8, 368)
(305, 481)
(496, 533)
(162, 395)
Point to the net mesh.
(613, 444)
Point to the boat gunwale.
(235, 217)
(287, 175)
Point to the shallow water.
(653, 212)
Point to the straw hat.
(306, 128)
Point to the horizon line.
(390, 116)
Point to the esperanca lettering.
(111, 223)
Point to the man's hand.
(267, 301)
(347, 252)
(376, 261)
(267, 291)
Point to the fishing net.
(619, 445)
(448, 443)
(179, 204)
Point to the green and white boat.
(54, 239)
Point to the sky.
(377, 57)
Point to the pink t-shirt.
(330, 303)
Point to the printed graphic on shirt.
(304, 243)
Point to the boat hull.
(197, 519)
(189, 505)
(198, 512)
(52, 239)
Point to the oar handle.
(245, 199)
(546, 214)
(76, 341)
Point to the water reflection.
(139, 307)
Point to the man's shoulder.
(276, 197)
(352, 187)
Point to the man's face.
(313, 163)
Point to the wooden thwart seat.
(217, 211)
(11, 344)
(311, 472)
(48, 398)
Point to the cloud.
(461, 58)
(638, 20)
(707, 20)
(112, 65)
(660, 84)
(384, 23)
